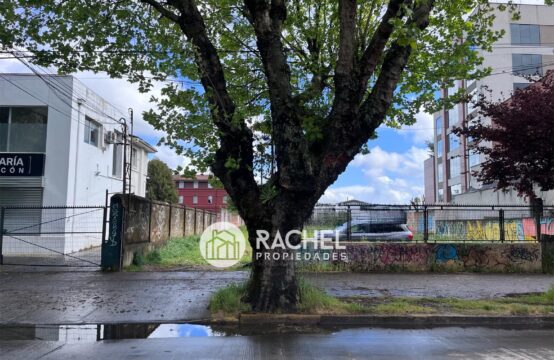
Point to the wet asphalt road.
(93, 297)
(361, 343)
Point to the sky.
(391, 173)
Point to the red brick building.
(198, 193)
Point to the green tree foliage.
(160, 185)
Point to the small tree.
(160, 184)
(517, 141)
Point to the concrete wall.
(150, 224)
(368, 257)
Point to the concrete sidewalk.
(94, 297)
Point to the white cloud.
(390, 178)
(168, 156)
(417, 133)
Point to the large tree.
(275, 96)
(516, 138)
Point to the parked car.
(371, 231)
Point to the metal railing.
(434, 222)
(55, 235)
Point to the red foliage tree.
(519, 141)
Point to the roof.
(138, 142)
(198, 177)
(353, 202)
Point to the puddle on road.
(71, 334)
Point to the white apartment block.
(527, 48)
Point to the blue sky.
(391, 173)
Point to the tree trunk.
(273, 285)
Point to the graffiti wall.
(514, 229)
(420, 257)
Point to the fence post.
(150, 222)
(349, 223)
(537, 208)
(104, 222)
(184, 221)
(169, 228)
(425, 223)
(194, 226)
(2, 213)
(501, 225)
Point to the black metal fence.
(433, 222)
(56, 236)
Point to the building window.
(455, 189)
(195, 184)
(439, 173)
(454, 167)
(225, 199)
(520, 86)
(473, 158)
(92, 132)
(453, 142)
(23, 129)
(117, 168)
(438, 125)
(181, 184)
(209, 185)
(180, 199)
(439, 148)
(134, 158)
(527, 64)
(453, 115)
(524, 34)
(195, 199)
(210, 199)
(440, 195)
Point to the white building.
(75, 138)
(61, 144)
(527, 48)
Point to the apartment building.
(199, 193)
(527, 48)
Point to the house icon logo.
(222, 244)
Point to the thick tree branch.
(162, 10)
(344, 70)
(346, 138)
(294, 168)
(374, 51)
(234, 159)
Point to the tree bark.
(273, 285)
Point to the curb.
(411, 321)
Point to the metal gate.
(52, 236)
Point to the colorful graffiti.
(518, 229)
(367, 257)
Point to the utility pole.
(125, 135)
(131, 154)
